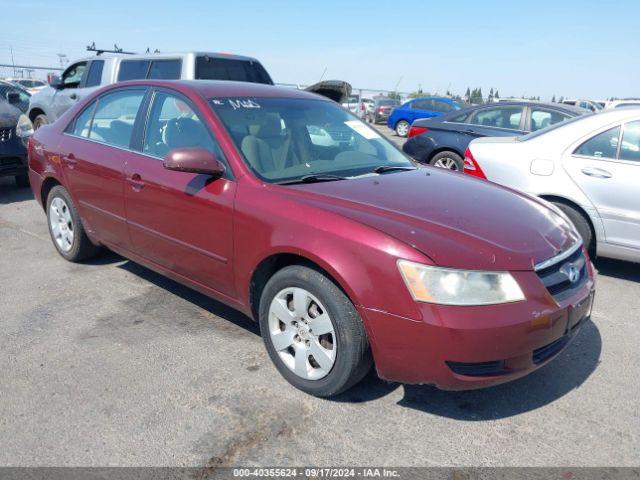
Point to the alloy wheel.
(446, 162)
(302, 333)
(61, 224)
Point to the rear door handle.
(69, 160)
(596, 172)
(136, 182)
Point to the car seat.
(266, 148)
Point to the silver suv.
(86, 75)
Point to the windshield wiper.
(313, 178)
(390, 168)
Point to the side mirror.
(56, 82)
(194, 160)
(13, 97)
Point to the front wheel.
(312, 332)
(65, 227)
(402, 128)
(448, 160)
(582, 226)
(39, 121)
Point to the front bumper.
(13, 154)
(463, 348)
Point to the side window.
(82, 124)
(544, 118)
(630, 146)
(173, 124)
(114, 117)
(94, 77)
(72, 76)
(459, 118)
(165, 69)
(422, 105)
(133, 70)
(603, 145)
(501, 117)
(440, 106)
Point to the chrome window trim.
(111, 145)
(559, 257)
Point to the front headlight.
(449, 286)
(24, 128)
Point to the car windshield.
(284, 139)
(542, 131)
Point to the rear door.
(93, 153)
(181, 221)
(606, 167)
(540, 117)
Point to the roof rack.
(100, 51)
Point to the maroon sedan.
(285, 206)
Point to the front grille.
(5, 134)
(565, 276)
(480, 369)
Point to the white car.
(624, 103)
(29, 84)
(589, 167)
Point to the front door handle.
(596, 172)
(73, 96)
(136, 182)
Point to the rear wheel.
(402, 128)
(39, 121)
(312, 332)
(65, 227)
(582, 226)
(448, 160)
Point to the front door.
(181, 221)
(607, 169)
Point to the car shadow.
(206, 303)
(561, 376)
(618, 269)
(11, 193)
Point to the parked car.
(88, 74)
(441, 141)
(588, 166)
(13, 154)
(401, 118)
(344, 255)
(624, 103)
(352, 103)
(587, 104)
(381, 109)
(29, 84)
(366, 107)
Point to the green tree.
(553, 99)
(467, 96)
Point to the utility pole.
(12, 61)
(395, 90)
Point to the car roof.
(554, 106)
(144, 56)
(226, 88)
(446, 99)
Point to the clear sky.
(574, 48)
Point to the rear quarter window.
(215, 68)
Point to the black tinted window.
(214, 68)
(603, 145)
(94, 78)
(501, 117)
(165, 69)
(133, 70)
(440, 106)
(543, 118)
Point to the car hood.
(8, 115)
(456, 220)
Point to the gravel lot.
(108, 363)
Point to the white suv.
(88, 74)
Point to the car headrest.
(268, 125)
(182, 132)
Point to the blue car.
(403, 116)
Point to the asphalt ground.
(107, 363)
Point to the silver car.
(589, 167)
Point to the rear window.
(215, 68)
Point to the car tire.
(39, 121)
(22, 181)
(582, 226)
(291, 342)
(448, 160)
(402, 128)
(65, 227)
